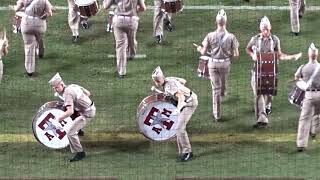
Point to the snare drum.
(155, 120)
(203, 70)
(296, 95)
(172, 6)
(266, 74)
(42, 127)
(87, 7)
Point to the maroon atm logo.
(57, 132)
(159, 118)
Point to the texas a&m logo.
(45, 130)
(155, 117)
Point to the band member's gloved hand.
(56, 124)
(297, 56)
(254, 57)
(199, 48)
(176, 112)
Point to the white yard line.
(282, 8)
(137, 56)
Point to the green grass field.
(115, 148)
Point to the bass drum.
(155, 120)
(45, 132)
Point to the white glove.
(153, 88)
(254, 57)
(56, 124)
(176, 112)
(297, 56)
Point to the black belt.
(188, 97)
(313, 90)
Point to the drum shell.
(266, 74)
(296, 96)
(172, 6)
(88, 9)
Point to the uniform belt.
(127, 17)
(89, 108)
(189, 97)
(220, 60)
(313, 90)
(32, 17)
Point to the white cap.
(265, 23)
(157, 73)
(312, 50)
(221, 16)
(55, 80)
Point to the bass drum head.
(156, 122)
(83, 2)
(45, 133)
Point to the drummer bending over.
(75, 97)
(187, 104)
(265, 42)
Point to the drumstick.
(154, 89)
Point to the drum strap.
(309, 82)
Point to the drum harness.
(221, 42)
(309, 82)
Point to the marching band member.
(309, 73)
(222, 46)
(74, 20)
(265, 42)
(75, 98)
(160, 18)
(33, 27)
(3, 50)
(187, 104)
(297, 9)
(125, 24)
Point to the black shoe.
(260, 125)
(122, 76)
(30, 74)
(40, 56)
(79, 156)
(168, 25)
(301, 149)
(300, 16)
(75, 39)
(216, 119)
(295, 33)
(159, 39)
(186, 157)
(313, 135)
(268, 111)
(80, 132)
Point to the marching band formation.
(165, 113)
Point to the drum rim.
(87, 3)
(38, 113)
(137, 122)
